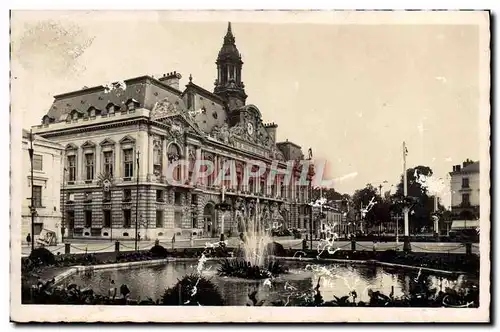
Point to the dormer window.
(47, 120)
(110, 108)
(132, 104)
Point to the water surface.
(335, 279)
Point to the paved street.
(81, 246)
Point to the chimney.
(467, 163)
(271, 129)
(171, 79)
(458, 168)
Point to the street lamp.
(223, 206)
(32, 205)
(137, 202)
(63, 210)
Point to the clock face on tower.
(250, 128)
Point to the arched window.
(173, 155)
(157, 162)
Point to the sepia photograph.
(250, 166)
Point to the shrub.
(193, 290)
(159, 251)
(243, 269)
(42, 256)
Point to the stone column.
(185, 168)
(144, 159)
(80, 165)
(199, 155)
(150, 155)
(117, 169)
(164, 160)
(98, 163)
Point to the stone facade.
(119, 140)
(47, 169)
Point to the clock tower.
(228, 84)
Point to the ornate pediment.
(107, 142)
(127, 140)
(88, 145)
(71, 146)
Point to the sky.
(351, 92)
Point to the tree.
(379, 212)
(333, 197)
(329, 193)
(420, 214)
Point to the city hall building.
(119, 141)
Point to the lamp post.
(63, 210)
(32, 205)
(137, 202)
(406, 245)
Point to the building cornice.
(130, 81)
(93, 127)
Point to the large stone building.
(120, 139)
(47, 169)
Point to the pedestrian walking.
(28, 238)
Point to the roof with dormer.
(143, 90)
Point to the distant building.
(465, 195)
(328, 220)
(47, 169)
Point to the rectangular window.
(159, 219)
(38, 228)
(128, 163)
(88, 196)
(71, 168)
(127, 218)
(159, 196)
(465, 182)
(37, 162)
(465, 199)
(127, 195)
(190, 102)
(263, 187)
(106, 218)
(108, 162)
(178, 198)
(37, 196)
(194, 199)
(88, 218)
(71, 220)
(157, 169)
(89, 166)
(106, 196)
(178, 219)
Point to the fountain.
(254, 259)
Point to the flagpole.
(406, 241)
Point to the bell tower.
(228, 84)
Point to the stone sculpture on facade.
(162, 109)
